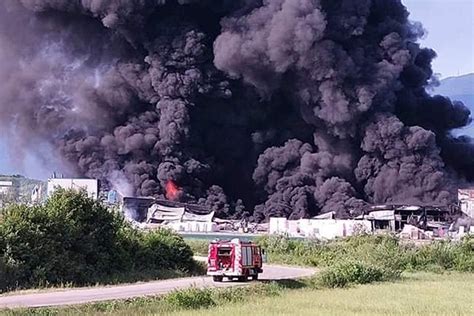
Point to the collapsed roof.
(161, 213)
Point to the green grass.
(384, 251)
(118, 279)
(357, 260)
(187, 299)
(387, 252)
(416, 294)
(198, 246)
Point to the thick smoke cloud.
(285, 107)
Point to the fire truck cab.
(234, 259)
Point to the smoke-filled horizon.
(251, 107)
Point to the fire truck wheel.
(242, 278)
(217, 278)
(255, 277)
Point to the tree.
(75, 239)
(69, 239)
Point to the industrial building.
(178, 216)
(395, 217)
(318, 228)
(410, 221)
(9, 191)
(466, 201)
(424, 221)
(90, 186)
(7, 187)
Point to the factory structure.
(412, 221)
(8, 187)
(409, 221)
(9, 191)
(181, 217)
(90, 186)
(144, 211)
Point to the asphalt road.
(95, 294)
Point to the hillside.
(460, 88)
(24, 186)
(456, 86)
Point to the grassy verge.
(195, 268)
(383, 251)
(387, 252)
(122, 279)
(189, 299)
(415, 294)
(199, 247)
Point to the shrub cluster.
(351, 272)
(367, 258)
(441, 255)
(200, 247)
(384, 251)
(72, 239)
(192, 298)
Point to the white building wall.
(278, 225)
(466, 201)
(318, 228)
(203, 227)
(91, 186)
(6, 186)
(6, 183)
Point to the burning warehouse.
(176, 215)
(395, 217)
(252, 108)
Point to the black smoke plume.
(285, 107)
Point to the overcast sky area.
(450, 32)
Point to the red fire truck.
(234, 259)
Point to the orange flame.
(172, 190)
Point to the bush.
(373, 249)
(70, 239)
(192, 298)
(4, 274)
(76, 240)
(441, 256)
(164, 248)
(198, 246)
(464, 260)
(349, 272)
(195, 298)
(384, 251)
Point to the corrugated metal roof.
(382, 215)
(328, 215)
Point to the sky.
(449, 26)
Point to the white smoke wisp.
(123, 187)
(130, 213)
(120, 184)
